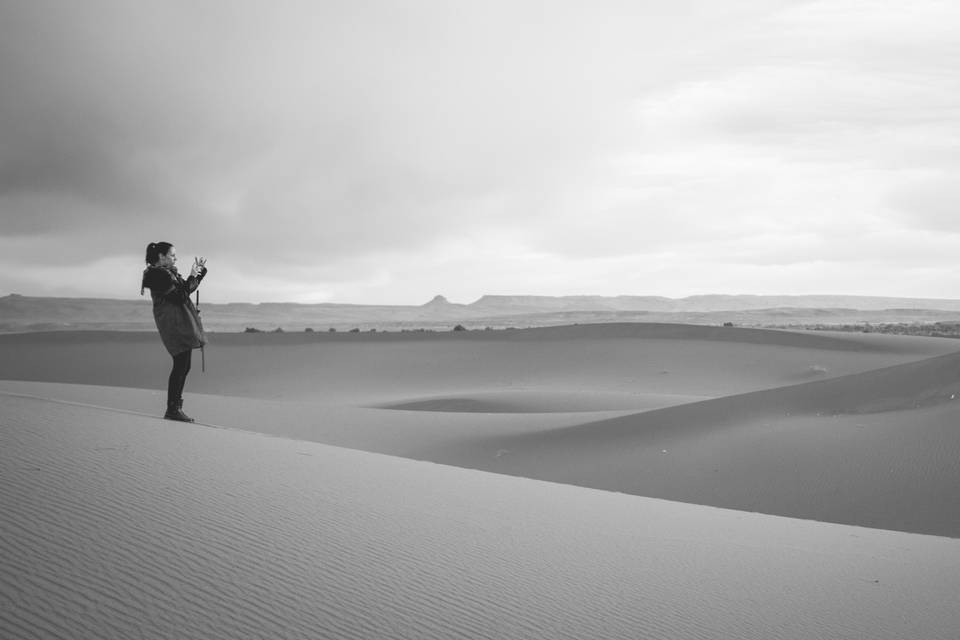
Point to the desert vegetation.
(931, 329)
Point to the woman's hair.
(155, 250)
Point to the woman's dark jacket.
(175, 314)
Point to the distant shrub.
(937, 329)
(459, 327)
(332, 330)
(728, 324)
(373, 330)
(355, 330)
(488, 328)
(278, 330)
(308, 330)
(252, 330)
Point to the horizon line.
(442, 299)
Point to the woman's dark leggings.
(178, 376)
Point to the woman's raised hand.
(199, 264)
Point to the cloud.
(783, 148)
(928, 200)
(334, 148)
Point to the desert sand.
(647, 480)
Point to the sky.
(379, 152)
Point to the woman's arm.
(194, 280)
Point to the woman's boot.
(180, 409)
(174, 412)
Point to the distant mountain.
(703, 303)
(438, 301)
(572, 303)
(441, 304)
(25, 313)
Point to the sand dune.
(402, 433)
(850, 428)
(879, 448)
(117, 524)
(543, 402)
(384, 368)
(121, 526)
(906, 386)
(892, 469)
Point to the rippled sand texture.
(849, 428)
(121, 526)
(282, 517)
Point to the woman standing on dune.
(176, 316)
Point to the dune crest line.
(877, 448)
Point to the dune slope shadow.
(539, 401)
(878, 449)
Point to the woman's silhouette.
(176, 316)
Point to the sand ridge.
(119, 526)
(540, 401)
(878, 448)
(856, 429)
(384, 368)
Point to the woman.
(177, 318)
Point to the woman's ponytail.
(155, 250)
